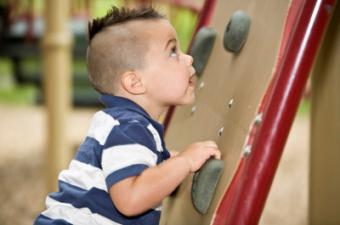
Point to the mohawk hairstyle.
(116, 15)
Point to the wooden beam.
(56, 44)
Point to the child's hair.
(120, 49)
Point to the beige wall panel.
(244, 78)
(324, 204)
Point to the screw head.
(258, 119)
(230, 103)
(220, 131)
(193, 109)
(247, 150)
(202, 84)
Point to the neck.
(155, 111)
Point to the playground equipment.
(246, 102)
(57, 45)
(324, 185)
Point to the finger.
(211, 144)
(216, 154)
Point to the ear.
(132, 82)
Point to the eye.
(173, 52)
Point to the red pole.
(243, 202)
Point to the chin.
(185, 100)
(189, 101)
(192, 101)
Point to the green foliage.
(100, 7)
(10, 93)
(304, 108)
(23, 95)
(182, 19)
(184, 23)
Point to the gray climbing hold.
(236, 32)
(204, 184)
(202, 47)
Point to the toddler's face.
(169, 75)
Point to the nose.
(189, 59)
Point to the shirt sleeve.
(128, 151)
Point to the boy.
(123, 171)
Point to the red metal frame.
(203, 20)
(188, 4)
(245, 197)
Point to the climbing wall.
(229, 91)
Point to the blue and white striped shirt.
(122, 142)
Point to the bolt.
(220, 131)
(230, 104)
(258, 119)
(247, 150)
(193, 109)
(201, 85)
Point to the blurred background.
(23, 113)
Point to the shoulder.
(126, 117)
(117, 126)
(108, 119)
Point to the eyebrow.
(169, 42)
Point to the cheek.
(179, 84)
(174, 80)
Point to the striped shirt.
(122, 142)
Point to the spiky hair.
(116, 16)
(114, 47)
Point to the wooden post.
(57, 86)
(324, 191)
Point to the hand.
(198, 153)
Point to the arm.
(138, 194)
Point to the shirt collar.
(111, 101)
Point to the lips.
(192, 80)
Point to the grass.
(11, 93)
(22, 95)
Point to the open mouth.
(192, 80)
